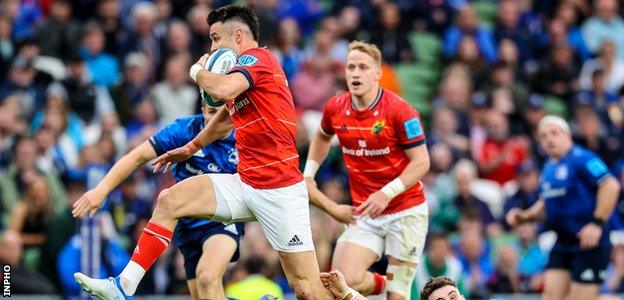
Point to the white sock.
(131, 277)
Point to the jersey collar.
(373, 104)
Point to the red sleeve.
(326, 124)
(255, 65)
(408, 126)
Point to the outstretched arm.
(93, 199)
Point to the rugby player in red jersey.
(268, 187)
(383, 146)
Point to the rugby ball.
(219, 62)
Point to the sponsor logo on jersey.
(362, 143)
(562, 172)
(412, 128)
(247, 60)
(378, 127)
(366, 152)
(238, 105)
(343, 128)
(587, 275)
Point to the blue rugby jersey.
(219, 157)
(568, 187)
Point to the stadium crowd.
(81, 82)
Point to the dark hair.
(236, 13)
(435, 283)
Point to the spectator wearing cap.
(611, 66)
(501, 153)
(134, 86)
(58, 35)
(604, 25)
(467, 24)
(527, 176)
(103, 67)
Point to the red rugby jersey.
(265, 124)
(373, 143)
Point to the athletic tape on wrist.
(393, 188)
(194, 71)
(311, 167)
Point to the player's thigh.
(217, 252)
(556, 284)
(583, 291)
(406, 236)
(284, 215)
(192, 197)
(192, 285)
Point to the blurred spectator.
(108, 17)
(21, 172)
(509, 27)
(200, 30)
(440, 189)
(433, 16)
(316, 82)
(614, 276)
(130, 211)
(144, 122)
(58, 35)
(444, 130)
(133, 88)
(558, 73)
(25, 16)
(455, 92)
(528, 181)
(611, 65)
(306, 12)
(114, 257)
(31, 215)
(591, 135)
(438, 261)
(251, 283)
(164, 9)
(469, 55)
(23, 280)
(503, 76)
(568, 14)
(175, 86)
(604, 25)
(88, 100)
(531, 258)
(103, 67)
(390, 37)
(178, 43)
(266, 10)
(558, 34)
(143, 37)
(21, 84)
(287, 48)
(475, 263)
(506, 277)
(467, 24)
(603, 101)
(339, 45)
(465, 174)
(501, 153)
(7, 46)
(349, 21)
(109, 126)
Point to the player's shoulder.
(339, 100)
(253, 56)
(394, 101)
(580, 153)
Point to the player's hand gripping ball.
(219, 62)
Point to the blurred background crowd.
(84, 81)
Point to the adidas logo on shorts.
(295, 241)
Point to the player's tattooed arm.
(93, 199)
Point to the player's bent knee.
(399, 280)
(354, 279)
(208, 279)
(166, 203)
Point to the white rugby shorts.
(283, 213)
(401, 235)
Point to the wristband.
(597, 221)
(194, 71)
(348, 292)
(310, 169)
(193, 146)
(393, 188)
